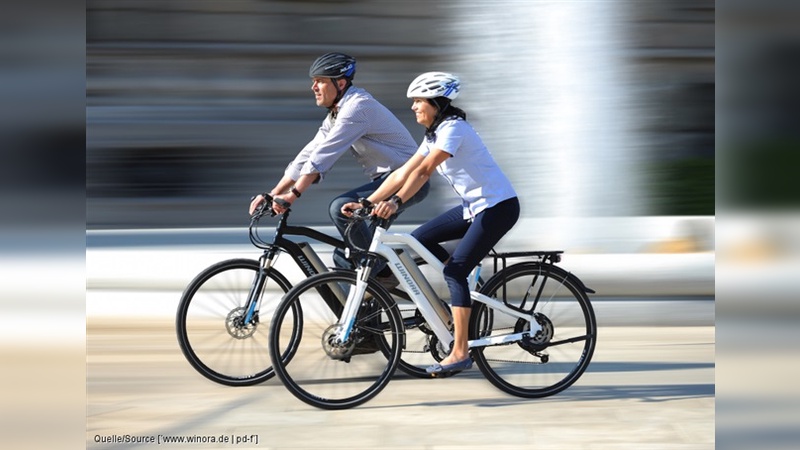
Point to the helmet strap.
(444, 111)
(441, 104)
(339, 94)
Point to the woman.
(489, 203)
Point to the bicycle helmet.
(333, 65)
(434, 84)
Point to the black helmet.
(333, 65)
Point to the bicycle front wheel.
(323, 371)
(552, 359)
(213, 333)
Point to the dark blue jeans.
(362, 235)
(477, 239)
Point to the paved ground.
(647, 388)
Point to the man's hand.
(281, 203)
(348, 208)
(256, 202)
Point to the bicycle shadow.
(644, 393)
(654, 392)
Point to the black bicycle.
(224, 313)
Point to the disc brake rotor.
(235, 325)
(333, 348)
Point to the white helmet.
(434, 84)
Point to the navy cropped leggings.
(477, 239)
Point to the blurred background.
(601, 108)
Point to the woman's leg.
(483, 233)
(448, 226)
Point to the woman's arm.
(396, 180)
(390, 185)
(413, 180)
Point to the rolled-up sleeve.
(326, 151)
(295, 168)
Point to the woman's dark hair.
(444, 111)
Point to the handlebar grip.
(263, 207)
(282, 202)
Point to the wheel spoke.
(317, 367)
(209, 328)
(550, 360)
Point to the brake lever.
(260, 209)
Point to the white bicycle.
(532, 329)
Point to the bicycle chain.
(492, 359)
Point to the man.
(355, 122)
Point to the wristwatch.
(295, 192)
(396, 200)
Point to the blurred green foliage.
(682, 187)
(763, 175)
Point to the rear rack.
(554, 256)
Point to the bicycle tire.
(323, 373)
(211, 341)
(554, 358)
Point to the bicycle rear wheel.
(210, 323)
(325, 373)
(554, 358)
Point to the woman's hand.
(385, 209)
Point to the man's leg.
(362, 234)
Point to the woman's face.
(424, 111)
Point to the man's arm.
(295, 190)
(351, 125)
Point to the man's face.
(325, 90)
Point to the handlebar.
(359, 215)
(261, 210)
(266, 207)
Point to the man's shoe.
(438, 369)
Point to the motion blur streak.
(42, 204)
(758, 226)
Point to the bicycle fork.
(254, 296)
(352, 304)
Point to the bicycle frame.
(394, 247)
(303, 255)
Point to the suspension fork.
(354, 299)
(265, 263)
